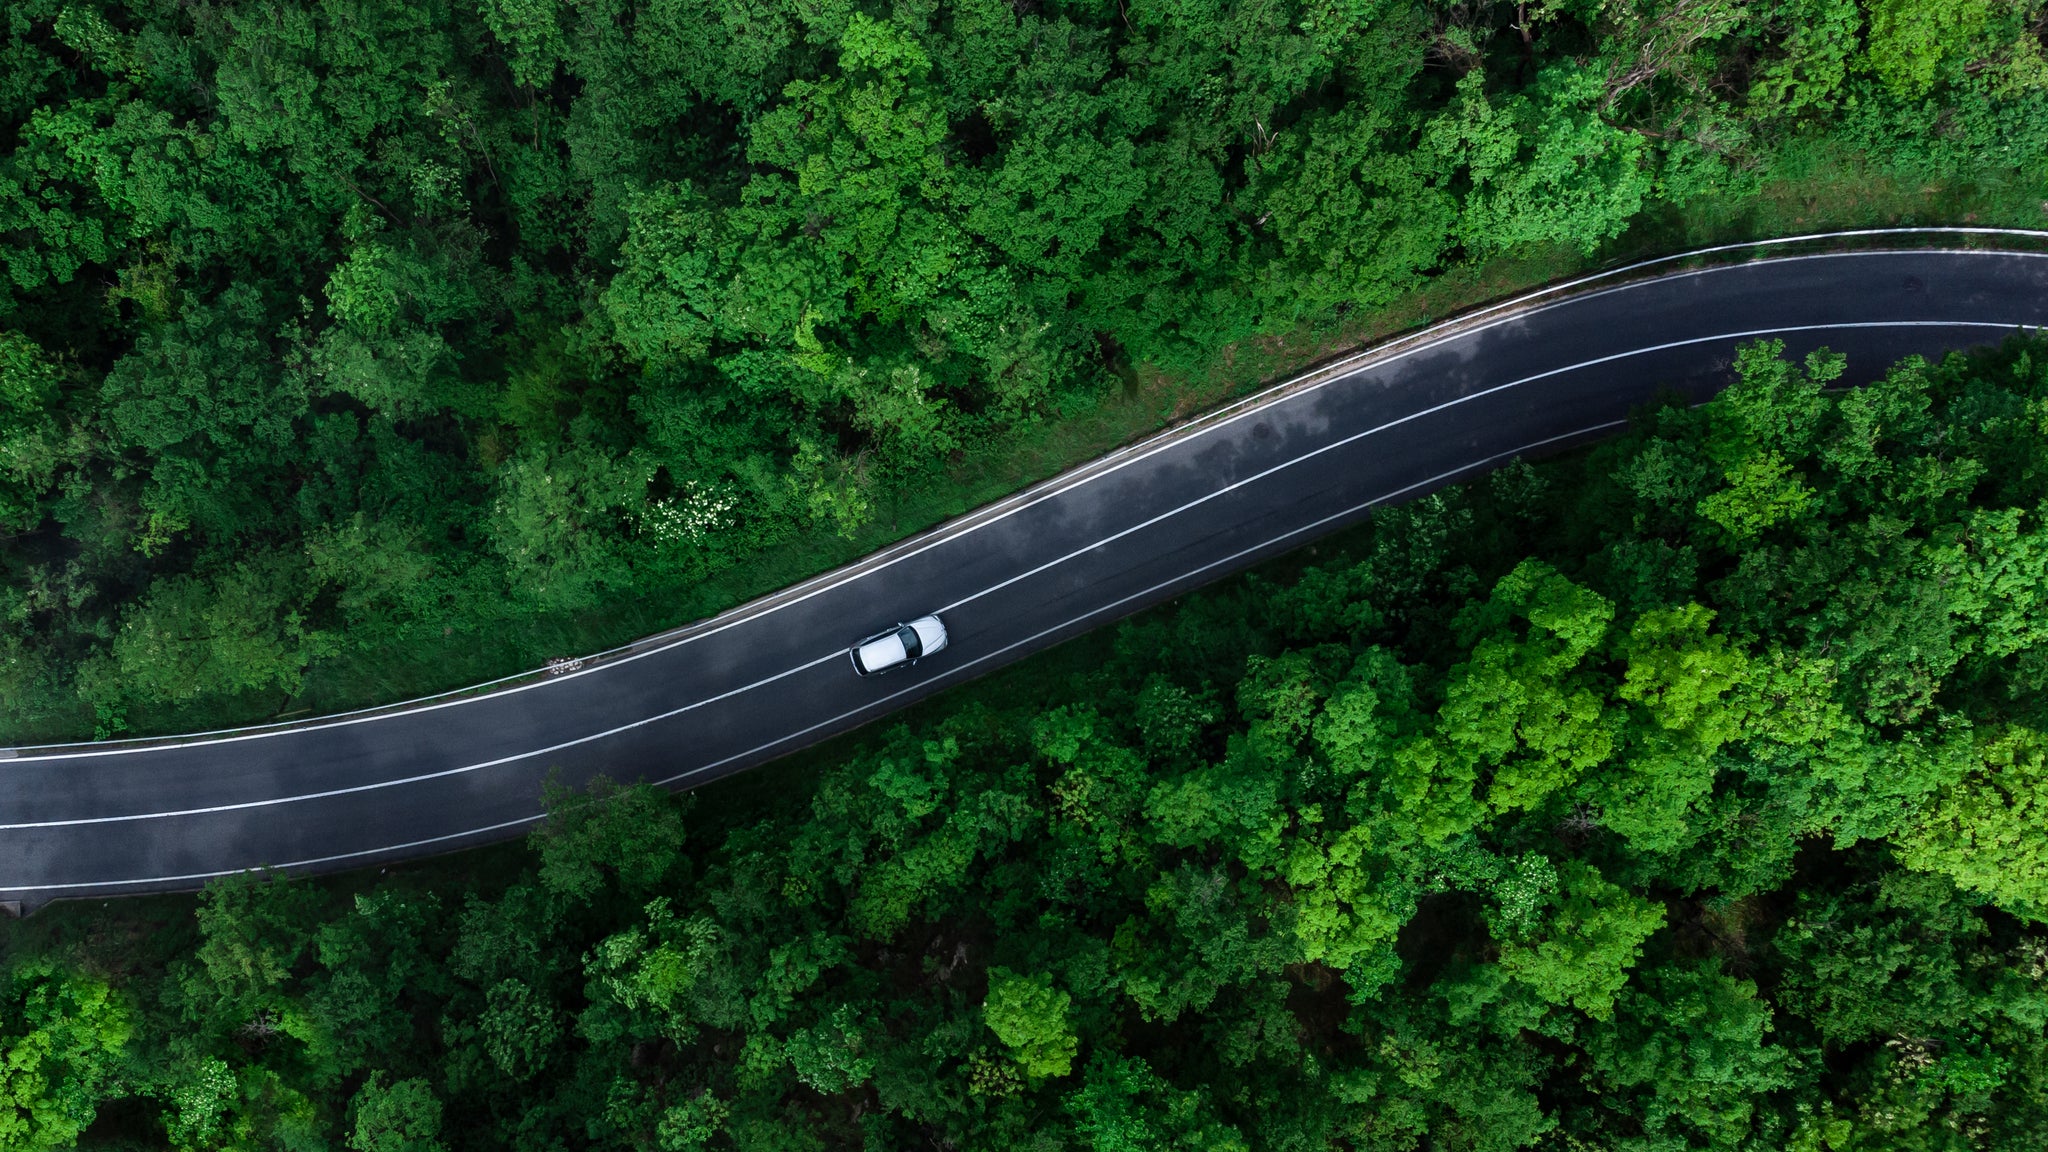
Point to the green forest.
(1684, 793)
(334, 332)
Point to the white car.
(902, 645)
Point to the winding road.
(1130, 530)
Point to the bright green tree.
(1029, 1016)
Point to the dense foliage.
(332, 325)
(1682, 795)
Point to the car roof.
(883, 651)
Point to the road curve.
(1139, 527)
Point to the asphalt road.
(1132, 530)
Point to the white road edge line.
(1116, 604)
(835, 654)
(421, 778)
(948, 674)
(1332, 373)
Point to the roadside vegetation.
(355, 350)
(1684, 793)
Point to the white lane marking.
(422, 777)
(309, 862)
(1114, 605)
(1434, 409)
(998, 586)
(1333, 373)
(871, 705)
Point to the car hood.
(931, 635)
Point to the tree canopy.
(1584, 806)
(328, 327)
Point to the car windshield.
(913, 646)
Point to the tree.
(608, 838)
(1910, 38)
(1582, 952)
(1688, 684)
(1984, 830)
(61, 1054)
(1691, 1042)
(1881, 958)
(560, 521)
(199, 1105)
(1544, 167)
(401, 1117)
(29, 454)
(254, 929)
(1352, 200)
(243, 630)
(1126, 1105)
(1029, 1016)
(1771, 416)
(1816, 41)
(1521, 706)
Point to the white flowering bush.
(691, 516)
